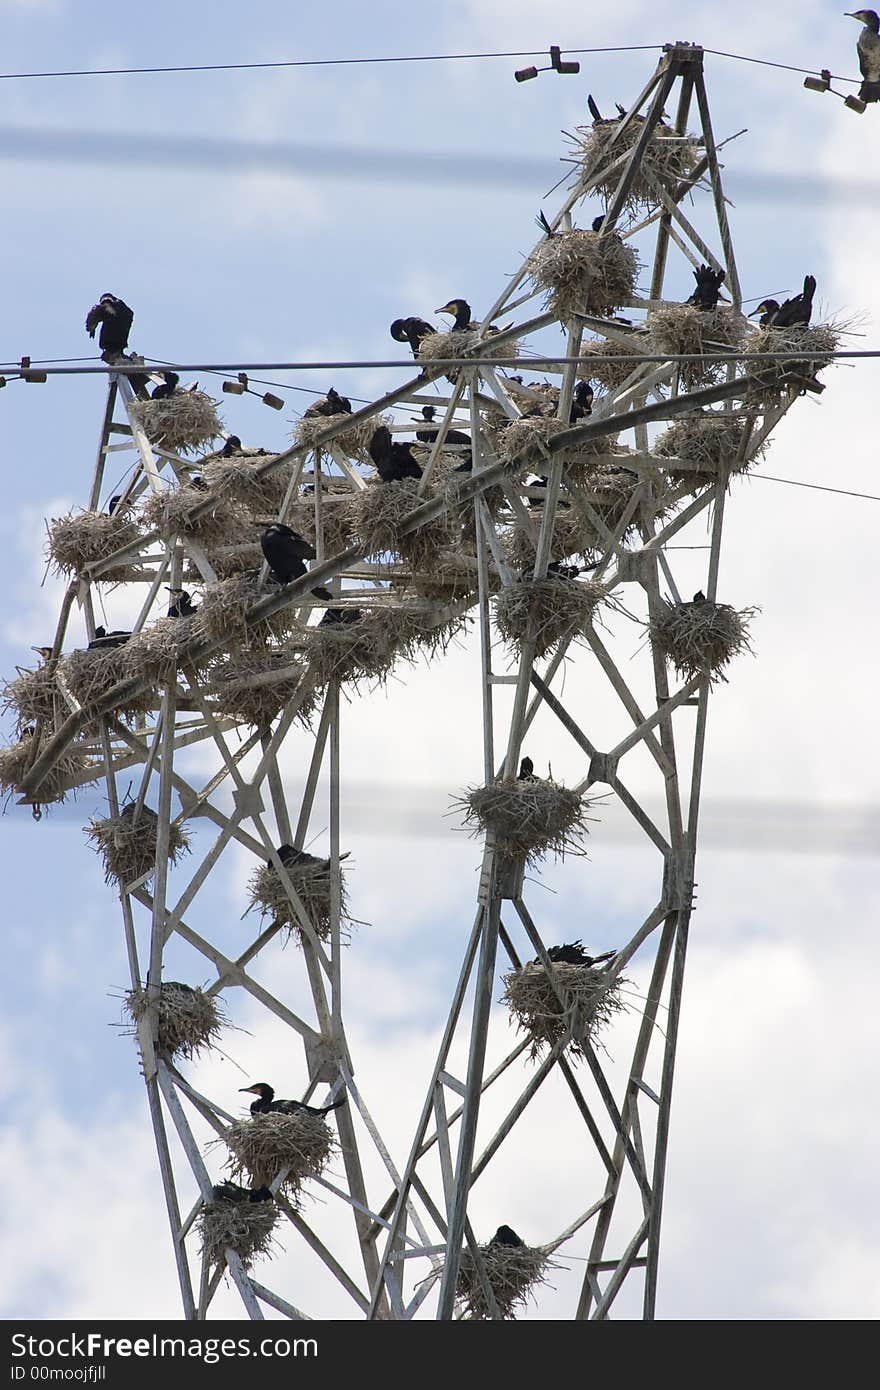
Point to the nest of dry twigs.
(245, 1227)
(513, 1272)
(254, 684)
(30, 697)
(700, 639)
(237, 479)
(528, 817)
(337, 517)
(354, 442)
(78, 540)
(224, 606)
(685, 328)
(525, 439)
(127, 844)
(609, 491)
(819, 341)
(91, 673)
(365, 650)
(184, 422)
(463, 343)
(155, 652)
(667, 158)
(71, 768)
(265, 1145)
(590, 999)
(612, 374)
(572, 536)
(227, 522)
(311, 877)
(453, 575)
(583, 275)
(711, 442)
(379, 512)
(189, 1020)
(545, 611)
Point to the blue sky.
(771, 1152)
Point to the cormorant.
(167, 387)
(705, 296)
(393, 461)
(596, 224)
(581, 402)
(699, 597)
(573, 953)
(428, 436)
(114, 503)
(267, 1103)
(868, 49)
(792, 313)
(44, 652)
(117, 637)
(198, 482)
(563, 571)
(231, 447)
(331, 404)
(231, 1192)
(412, 331)
(115, 319)
(461, 312)
(526, 771)
(181, 605)
(285, 551)
(561, 505)
(505, 1235)
(545, 226)
(334, 616)
(598, 118)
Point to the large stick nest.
(819, 341)
(583, 274)
(365, 650)
(528, 817)
(590, 999)
(337, 517)
(311, 878)
(512, 1272)
(668, 158)
(229, 561)
(525, 439)
(78, 540)
(546, 611)
(261, 1147)
(685, 328)
(227, 522)
(612, 374)
(609, 491)
(572, 536)
(155, 653)
(183, 422)
(354, 442)
(127, 844)
(379, 512)
(711, 441)
(224, 605)
(463, 343)
(254, 684)
(30, 697)
(453, 575)
(189, 1020)
(237, 479)
(700, 638)
(91, 672)
(73, 766)
(245, 1227)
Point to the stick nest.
(239, 693)
(354, 442)
(227, 522)
(452, 576)
(523, 440)
(224, 605)
(590, 1000)
(512, 1272)
(72, 767)
(30, 697)
(572, 536)
(155, 653)
(583, 275)
(546, 611)
(700, 638)
(184, 422)
(365, 650)
(337, 518)
(668, 158)
(609, 491)
(91, 673)
(237, 479)
(128, 844)
(685, 328)
(78, 540)
(245, 1227)
(612, 374)
(711, 441)
(261, 1147)
(820, 340)
(529, 818)
(311, 877)
(464, 342)
(189, 1020)
(381, 509)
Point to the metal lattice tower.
(413, 1228)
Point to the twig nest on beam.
(237, 479)
(254, 684)
(127, 843)
(265, 1145)
(364, 650)
(380, 511)
(525, 441)
(572, 536)
(587, 1001)
(685, 328)
(609, 491)
(235, 1221)
(311, 878)
(512, 1271)
(80, 539)
(612, 374)
(224, 606)
(546, 611)
(668, 157)
(700, 638)
(819, 341)
(354, 441)
(227, 522)
(156, 652)
(189, 1020)
(30, 697)
(72, 767)
(711, 442)
(92, 673)
(183, 422)
(583, 274)
(452, 576)
(464, 342)
(528, 817)
(337, 517)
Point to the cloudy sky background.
(769, 1210)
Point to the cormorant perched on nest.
(289, 855)
(526, 771)
(705, 296)
(340, 615)
(231, 447)
(792, 313)
(563, 571)
(581, 402)
(114, 503)
(598, 118)
(428, 436)
(506, 1235)
(115, 319)
(167, 387)
(461, 311)
(573, 953)
(45, 652)
(267, 1103)
(545, 226)
(868, 49)
(286, 552)
(102, 638)
(232, 1193)
(561, 505)
(181, 605)
(699, 597)
(331, 404)
(412, 331)
(393, 461)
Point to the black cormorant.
(334, 616)
(231, 447)
(598, 118)
(792, 313)
(331, 404)
(267, 1102)
(44, 652)
(412, 331)
(167, 387)
(573, 953)
(285, 551)
(545, 226)
(526, 771)
(198, 482)
(506, 1235)
(230, 1192)
(181, 605)
(115, 319)
(581, 402)
(428, 436)
(117, 637)
(563, 571)
(868, 49)
(461, 312)
(393, 461)
(699, 597)
(114, 503)
(705, 296)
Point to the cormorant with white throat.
(868, 50)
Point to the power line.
(786, 67)
(817, 487)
